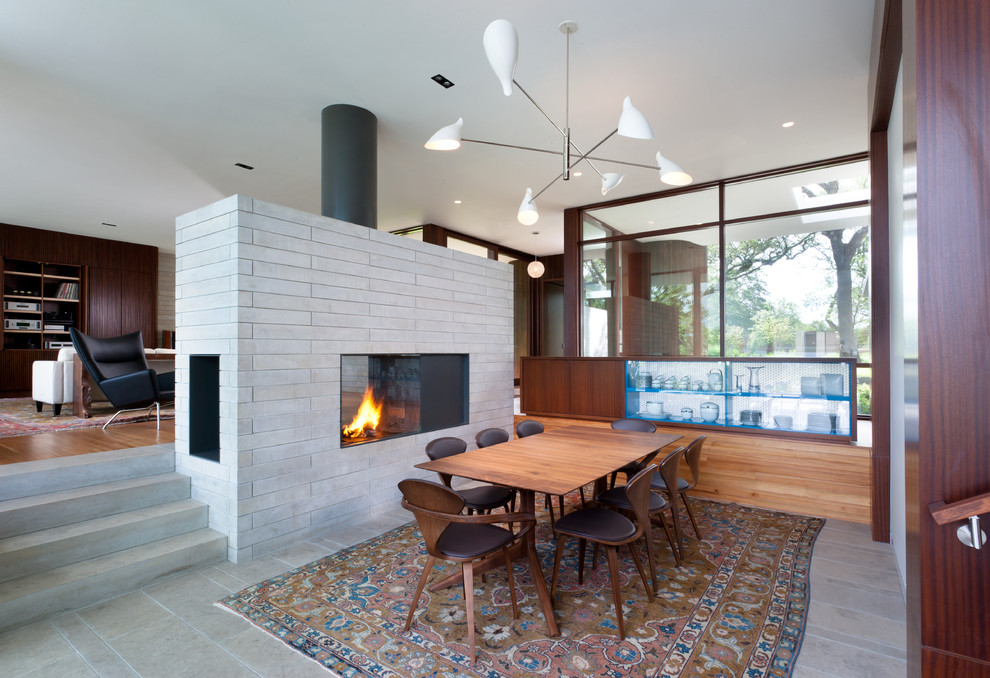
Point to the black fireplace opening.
(389, 395)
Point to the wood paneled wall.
(798, 476)
(120, 290)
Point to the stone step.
(37, 596)
(58, 546)
(30, 514)
(54, 475)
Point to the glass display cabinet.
(798, 396)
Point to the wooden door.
(947, 118)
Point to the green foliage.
(775, 328)
(864, 398)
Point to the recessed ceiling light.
(457, 202)
(243, 166)
(789, 123)
(577, 174)
(650, 222)
(442, 81)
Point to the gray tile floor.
(856, 624)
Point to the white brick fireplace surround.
(279, 295)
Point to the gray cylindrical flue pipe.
(350, 165)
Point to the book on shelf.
(68, 290)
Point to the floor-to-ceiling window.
(770, 265)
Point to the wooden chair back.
(693, 458)
(669, 467)
(638, 495)
(430, 502)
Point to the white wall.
(166, 294)
(279, 295)
(895, 196)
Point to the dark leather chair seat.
(597, 524)
(471, 541)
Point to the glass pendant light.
(528, 215)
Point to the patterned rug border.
(770, 658)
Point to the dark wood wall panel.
(103, 309)
(597, 388)
(135, 311)
(545, 385)
(880, 328)
(952, 94)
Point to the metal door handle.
(969, 510)
(967, 533)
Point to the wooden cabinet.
(40, 303)
(584, 387)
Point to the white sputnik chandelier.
(502, 48)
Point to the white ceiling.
(133, 113)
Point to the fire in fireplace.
(388, 395)
(365, 422)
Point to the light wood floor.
(17, 449)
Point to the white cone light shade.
(446, 138)
(502, 49)
(610, 180)
(632, 123)
(527, 210)
(536, 269)
(671, 173)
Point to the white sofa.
(51, 380)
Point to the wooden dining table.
(556, 462)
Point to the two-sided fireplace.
(388, 395)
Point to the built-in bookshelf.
(40, 303)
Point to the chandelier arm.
(533, 101)
(549, 152)
(555, 179)
(623, 162)
(585, 156)
(521, 148)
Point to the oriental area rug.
(20, 417)
(736, 607)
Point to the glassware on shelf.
(754, 377)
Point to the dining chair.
(461, 539)
(633, 467)
(617, 497)
(610, 529)
(693, 458)
(528, 427)
(481, 498)
(491, 436)
(531, 427)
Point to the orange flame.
(367, 416)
